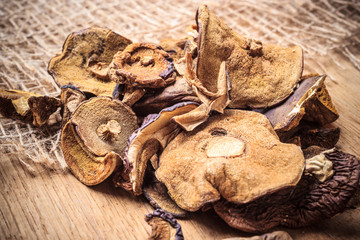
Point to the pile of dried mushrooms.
(213, 120)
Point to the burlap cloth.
(32, 32)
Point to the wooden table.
(50, 205)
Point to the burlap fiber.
(32, 32)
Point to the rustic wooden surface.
(50, 205)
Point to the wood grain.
(54, 205)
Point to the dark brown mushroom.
(277, 235)
(310, 101)
(262, 75)
(309, 202)
(164, 226)
(94, 139)
(85, 58)
(236, 155)
(42, 107)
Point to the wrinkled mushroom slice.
(309, 202)
(277, 235)
(14, 103)
(71, 97)
(236, 155)
(88, 168)
(104, 125)
(164, 226)
(142, 65)
(174, 47)
(85, 58)
(157, 194)
(151, 137)
(28, 106)
(154, 102)
(262, 75)
(310, 101)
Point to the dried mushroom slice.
(277, 235)
(262, 75)
(236, 155)
(325, 136)
(154, 102)
(310, 101)
(14, 104)
(164, 226)
(28, 106)
(309, 202)
(104, 125)
(86, 167)
(142, 65)
(174, 47)
(149, 139)
(85, 58)
(71, 97)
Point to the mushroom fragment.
(85, 58)
(142, 65)
(262, 75)
(164, 226)
(174, 47)
(71, 97)
(252, 161)
(149, 139)
(308, 202)
(310, 101)
(94, 139)
(277, 235)
(28, 106)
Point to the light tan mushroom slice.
(142, 65)
(262, 75)
(104, 125)
(236, 155)
(310, 101)
(84, 57)
(150, 138)
(86, 167)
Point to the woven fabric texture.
(32, 32)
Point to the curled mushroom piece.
(235, 155)
(85, 58)
(71, 97)
(277, 235)
(94, 139)
(28, 106)
(308, 202)
(262, 75)
(310, 101)
(149, 140)
(164, 226)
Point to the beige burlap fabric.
(31, 32)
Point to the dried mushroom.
(236, 155)
(310, 101)
(277, 235)
(142, 65)
(148, 140)
(104, 125)
(262, 75)
(308, 202)
(157, 194)
(71, 97)
(174, 47)
(28, 106)
(164, 226)
(94, 139)
(85, 58)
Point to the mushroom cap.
(142, 65)
(309, 202)
(310, 101)
(82, 53)
(88, 168)
(236, 155)
(104, 125)
(262, 75)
